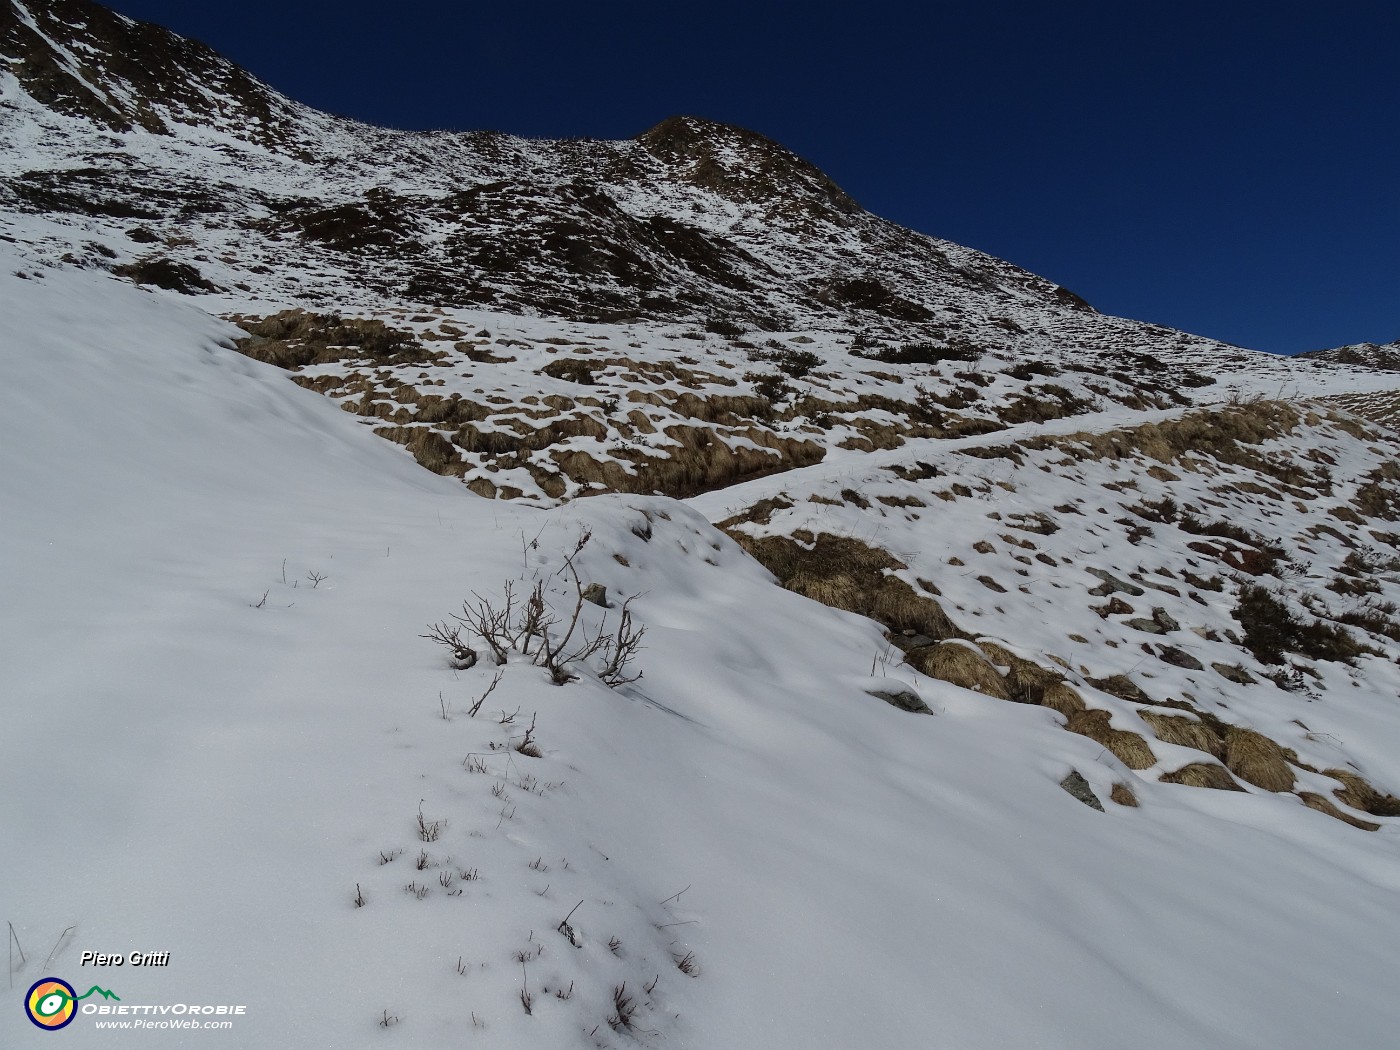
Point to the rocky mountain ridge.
(690, 221)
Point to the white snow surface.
(204, 754)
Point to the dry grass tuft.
(1063, 698)
(845, 573)
(1257, 760)
(429, 448)
(1130, 748)
(1225, 433)
(1123, 795)
(1313, 800)
(961, 665)
(295, 338)
(1359, 794)
(1203, 775)
(1028, 682)
(1121, 686)
(698, 462)
(1185, 732)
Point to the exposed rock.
(1179, 658)
(1078, 787)
(1112, 583)
(1233, 673)
(1143, 624)
(1114, 607)
(904, 699)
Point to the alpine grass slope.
(759, 745)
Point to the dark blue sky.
(1232, 169)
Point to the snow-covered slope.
(207, 753)
(893, 516)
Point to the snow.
(187, 768)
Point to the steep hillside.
(935, 661)
(177, 155)
(218, 586)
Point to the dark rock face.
(149, 65)
(692, 220)
(163, 273)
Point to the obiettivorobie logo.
(52, 1002)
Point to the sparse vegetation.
(1271, 630)
(533, 630)
(919, 353)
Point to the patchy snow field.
(209, 753)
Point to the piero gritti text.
(130, 959)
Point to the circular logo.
(51, 1003)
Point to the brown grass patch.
(1123, 795)
(1358, 793)
(296, 338)
(1121, 686)
(1029, 683)
(1062, 698)
(1130, 748)
(429, 448)
(1229, 434)
(1313, 800)
(1256, 759)
(1202, 775)
(1185, 732)
(701, 462)
(847, 574)
(961, 665)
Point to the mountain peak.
(82, 60)
(740, 164)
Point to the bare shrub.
(461, 655)
(527, 745)
(533, 629)
(429, 830)
(624, 1007)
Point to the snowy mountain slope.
(229, 757)
(539, 409)
(811, 822)
(1239, 565)
(181, 157)
(1384, 356)
(730, 270)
